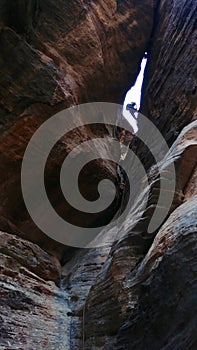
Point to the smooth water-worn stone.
(139, 293)
(54, 55)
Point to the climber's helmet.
(131, 105)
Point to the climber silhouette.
(132, 108)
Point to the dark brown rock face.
(55, 55)
(170, 88)
(140, 292)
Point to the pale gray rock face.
(164, 316)
(115, 296)
(33, 308)
(139, 293)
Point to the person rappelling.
(132, 108)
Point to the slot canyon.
(140, 291)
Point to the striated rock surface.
(32, 307)
(53, 55)
(139, 293)
(111, 301)
(146, 300)
(163, 288)
(170, 86)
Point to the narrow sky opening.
(134, 95)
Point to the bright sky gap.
(134, 95)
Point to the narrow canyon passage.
(137, 291)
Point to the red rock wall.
(145, 295)
(55, 54)
(141, 292)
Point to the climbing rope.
(83, 326)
